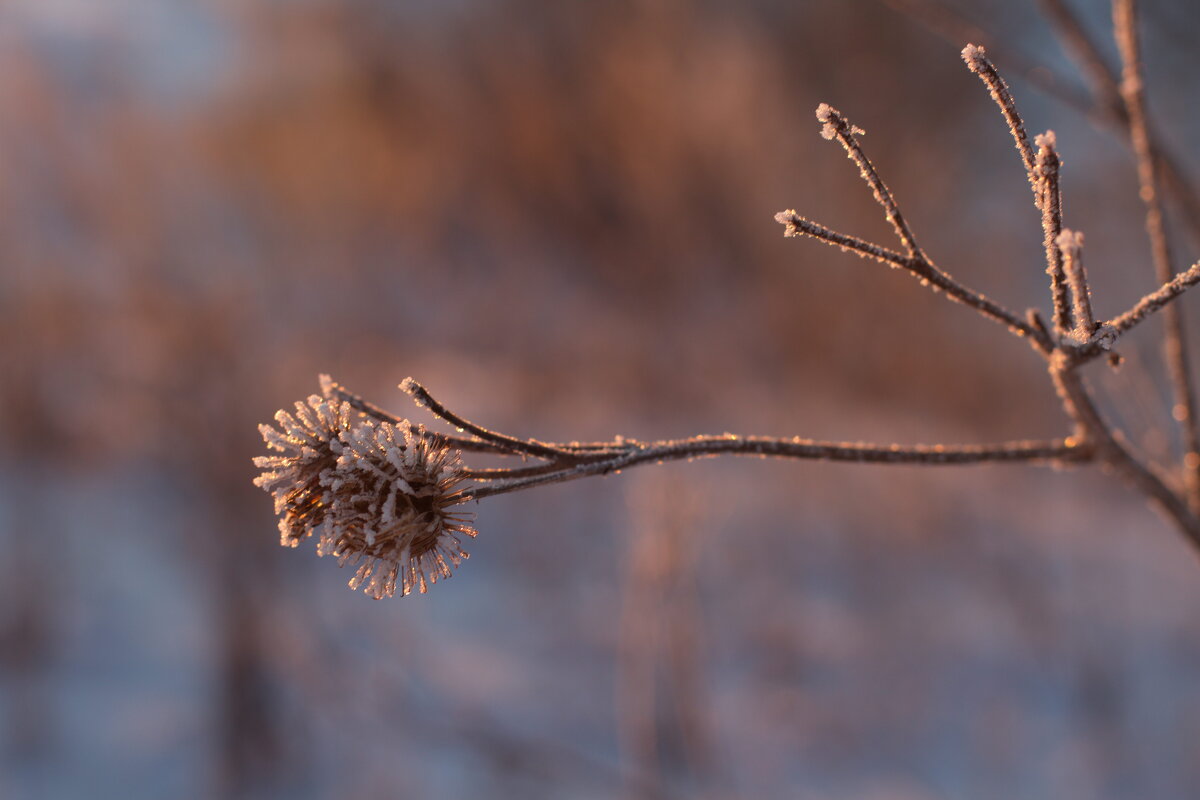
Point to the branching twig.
(504, 442)
(388, 494)
(835, 126)
(334, 390)
(919, 265)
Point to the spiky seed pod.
(307, 445)
(395, 509)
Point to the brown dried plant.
(386, 494)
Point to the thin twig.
(531, 447)
(496, 473)
(920, 266)
(1042, 337)
(1046, 172)
(331, 389)
(797, 225)
(977, 61)
(1070, 244)
(834, 125)
(1058, 451)
(1174, 342)
(1157, 299)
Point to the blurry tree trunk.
(250, 746)
(27, 609)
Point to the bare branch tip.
(975, 57)
(831, 121)
(788, 220)
(1071, 240)
(418, 392)
(835, 124)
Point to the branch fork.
(1075, 337)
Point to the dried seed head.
(307, 446)
(394, 508)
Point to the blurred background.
(558, 216)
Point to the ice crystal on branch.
(975, 56)
(394, 508)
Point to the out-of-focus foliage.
(558, 216)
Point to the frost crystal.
(393, 510)
(825, 115)
(975, 56)
(307, 445)
(832, 123)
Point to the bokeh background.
(558, 216)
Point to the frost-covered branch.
(919, 265)
(504, 443)
(1070, 246)
(977, 61)
(1049, 200)
(1060, 451)
(835, 126)
(388, 496)
(796, 225)
(1157, 299)
(334, 390)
